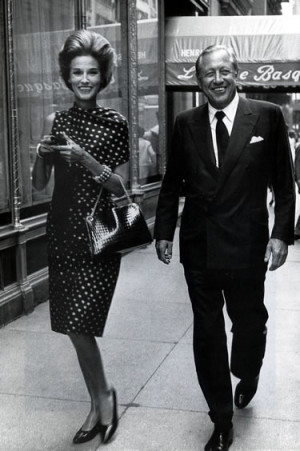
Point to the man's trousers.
(243, 292)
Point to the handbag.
(118, 229)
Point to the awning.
(267, 48)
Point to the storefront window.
(103, 16)
(40, 29)
(148, 91)
(4, 179)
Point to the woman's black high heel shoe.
(108, 431)
(82, 436)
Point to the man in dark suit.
(227, 161)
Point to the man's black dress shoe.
(85, 436)
(220, 440)
(244, 392)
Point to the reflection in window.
(147, 157)
(40, 30)
(148, 90)
(104, 18)
(148, 115)
(100, 12)
(4, 181)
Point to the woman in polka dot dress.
(95, 152)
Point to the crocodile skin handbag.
(119, 229)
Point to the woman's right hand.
(43, 166)
(46, 146)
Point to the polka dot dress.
(80, 287)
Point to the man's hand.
(164, 250)
(279, 251)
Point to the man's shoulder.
(192, 112)
(260, 105)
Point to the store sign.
(250, 74)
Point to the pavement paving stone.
(175, 430)
(149, 321)
(31, 423)
(147, 351)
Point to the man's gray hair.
(214, 48)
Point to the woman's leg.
(91, 365)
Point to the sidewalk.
(147, 350)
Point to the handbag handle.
(100, 193)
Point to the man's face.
(218, 78)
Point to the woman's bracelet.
(38, 150)
(104, 176)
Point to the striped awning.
(267, 48)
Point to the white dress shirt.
(228, 119)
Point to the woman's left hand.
(71, 152)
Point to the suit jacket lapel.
(242, 131)
(201, 135)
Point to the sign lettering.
(250, 74)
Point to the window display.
(40, 29)
(4, 172)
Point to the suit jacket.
(224, 222)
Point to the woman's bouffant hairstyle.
(83, 43)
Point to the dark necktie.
(222, 136)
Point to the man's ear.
(199, 82)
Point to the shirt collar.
(229, 110)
